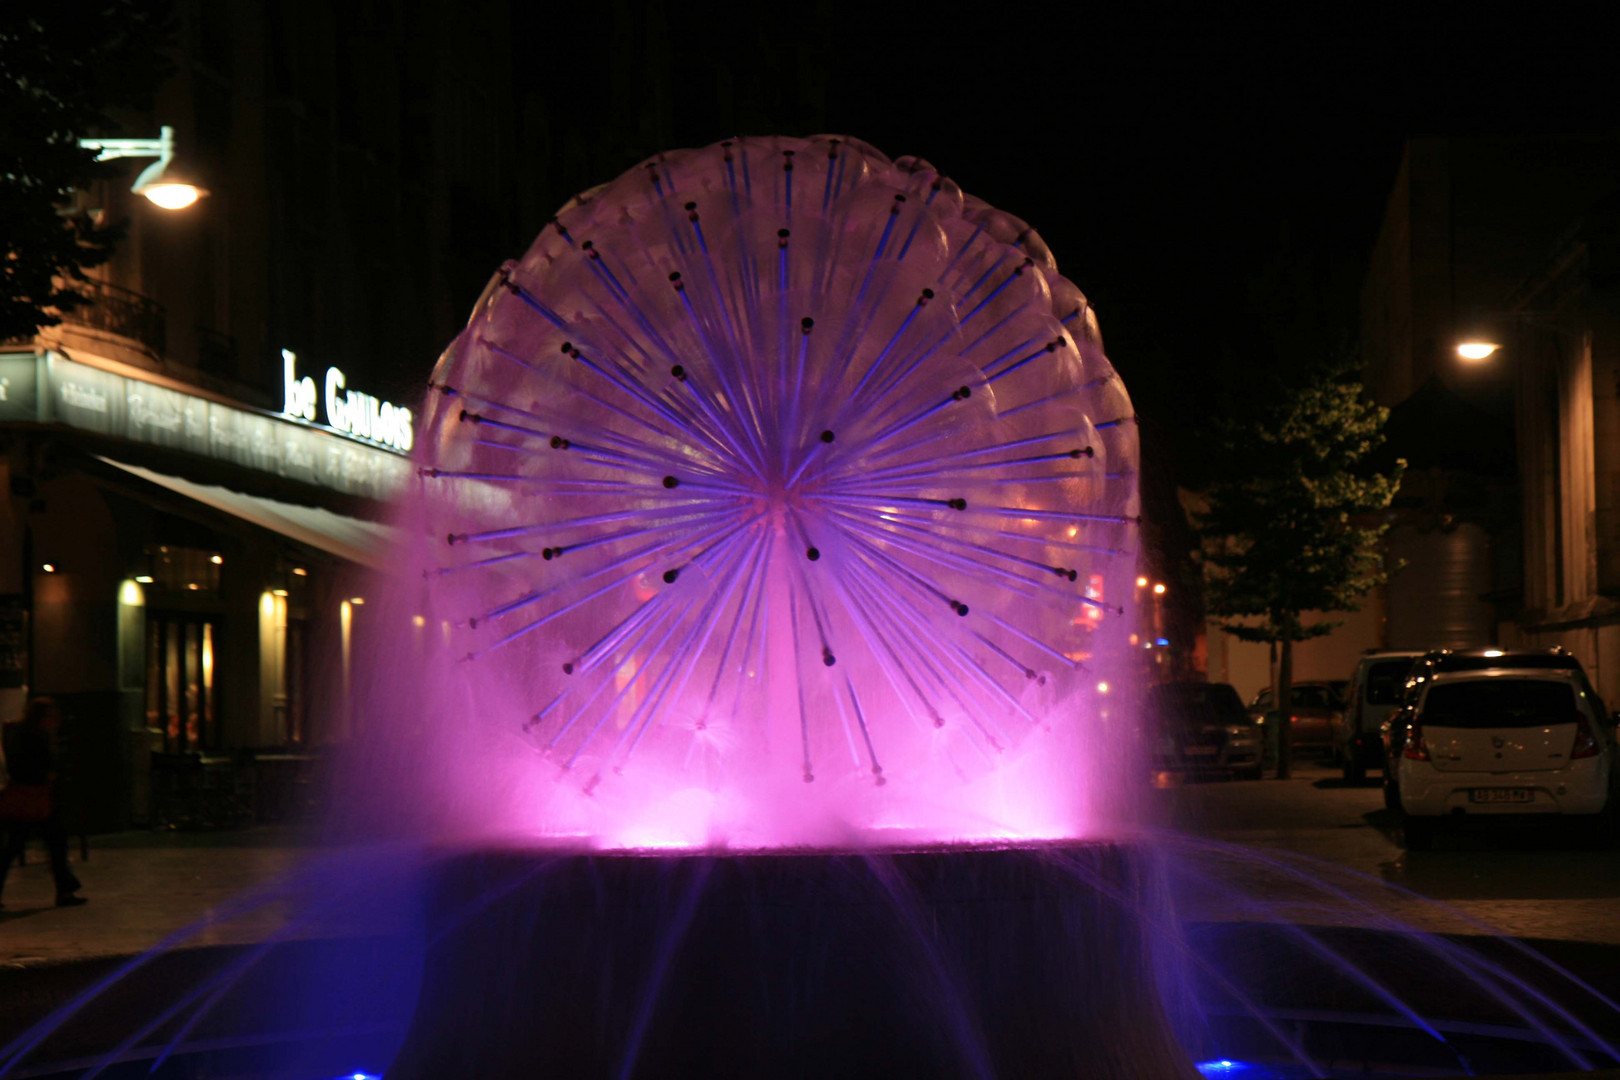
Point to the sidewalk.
(142, 887)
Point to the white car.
(1504, 741)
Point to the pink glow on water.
(780, 496)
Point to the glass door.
(180, 692)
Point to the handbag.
(25, 802)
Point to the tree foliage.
(66, 68)
(1290, 524)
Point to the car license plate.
(1202, 751)
(1501, 794)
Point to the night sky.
(1213, 185)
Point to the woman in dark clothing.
(30, 748)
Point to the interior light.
(1476, 350)
(300, 571)
(192, 585)
(1158, 590)
(49, 568)
(1141, 583)
(1493, 652)
(144, 579)
(1102, 688)
(278, 592)
(216, 559)
(357, 600)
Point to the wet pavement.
(1538, 880)
(1534, 883)
(144, 887)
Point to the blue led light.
(1220, 1067)
(1161, 641)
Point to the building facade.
(1493, 536)
(1561, 333)
(200, 462)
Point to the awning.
(364, 542)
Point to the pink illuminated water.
(781, 494)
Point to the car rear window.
(1314, 697)
(1499, 703)
(1386, 680)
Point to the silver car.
(1375, 694)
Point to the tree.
(1290, 526)
(66, 66)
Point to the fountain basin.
(943, 963)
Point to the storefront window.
(180, 680)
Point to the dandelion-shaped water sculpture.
(780, 452)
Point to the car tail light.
(1415, 748)
(1586, 744)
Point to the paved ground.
(1540, 881)
(143, 887)
(146, 886)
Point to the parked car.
(1199, 726)
(1436, 662)
(1375, 693)
(1314, 708)
(1504, 741)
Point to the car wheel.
(1392, 793)
(1418, 833)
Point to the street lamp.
(159, 182)
(1475, 351)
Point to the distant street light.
(159, 182)
(1476, 350)
(1158, 590)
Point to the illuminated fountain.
(781, 497)
(755, 701)
(782, 494)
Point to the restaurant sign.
(54, 389)
(349, 412)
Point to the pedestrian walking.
(28, 798)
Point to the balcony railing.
(121, 311)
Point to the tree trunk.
(1285, 721)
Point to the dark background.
(1212, 184)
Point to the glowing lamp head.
(1475, 351)
(1158, 590)
(173, 196)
